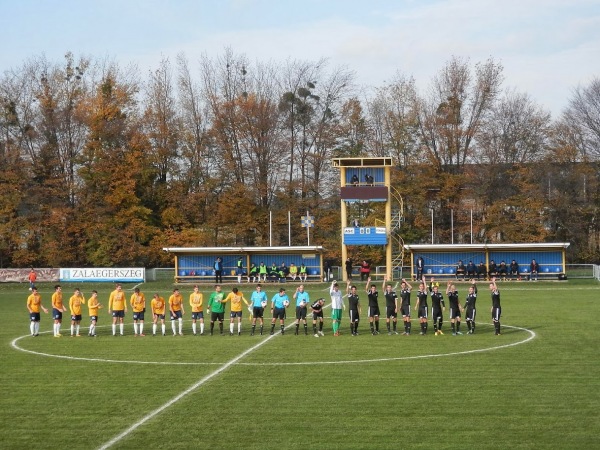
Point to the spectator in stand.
(218, 268)
(273, 273)
(262, 272)
(239, 269)
(283, 272)
(534, 270)
(253, 273)
(348, 265)
(303, 272)
(481, 271)
(369, 179)
(471, 270)
(328, 272)
(293, 271)
(514, 270)
(355, 180)
(420, 268)
(503, 270)
(365, 270)
(493, 272)
(460, 270)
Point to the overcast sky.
(547, 47)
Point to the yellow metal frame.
(353, 163)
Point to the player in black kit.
(373, 307)
(405, 289)
(470, 308)
(496, 309)
(317, 312)
(437, 307)
(354, 310)
(455, 308)
(391, 307)
(421, 306)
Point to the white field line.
(531, 335)
(235, 360)
(189, 390)
(178, 397)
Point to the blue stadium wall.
(198, 263)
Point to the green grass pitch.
(537, 386)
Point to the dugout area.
(441, 260)
(196, 264)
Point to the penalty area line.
(178, 397)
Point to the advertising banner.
(109, 274)
(22, 275)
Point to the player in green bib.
(303, 273)
(216, 308)
(262, 272)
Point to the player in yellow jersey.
(34, 304)
(138, 305)
(157, 305)
(236, 299)
(57, 309)
(196, 300)
(93, 306)
(117, 307)
(75, 303)
(177, 311)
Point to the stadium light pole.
(471, 226)
(307, 229)
(452, 226)
(432, 226)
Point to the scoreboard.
(365, 236)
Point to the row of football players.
(117, 307)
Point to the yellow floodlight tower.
(366, 180)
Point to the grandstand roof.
(453, 247)
(230, 250)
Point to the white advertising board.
(109, 274)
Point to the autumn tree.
(571, 174)
(118, 230)
(394, 121)
(311, 109)
(517, 215)
(297, 82)
(336, 89)
(451, 116)
(161, 127)
(192, 192)
(583, 114)
(515, 131)
(13, 191)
